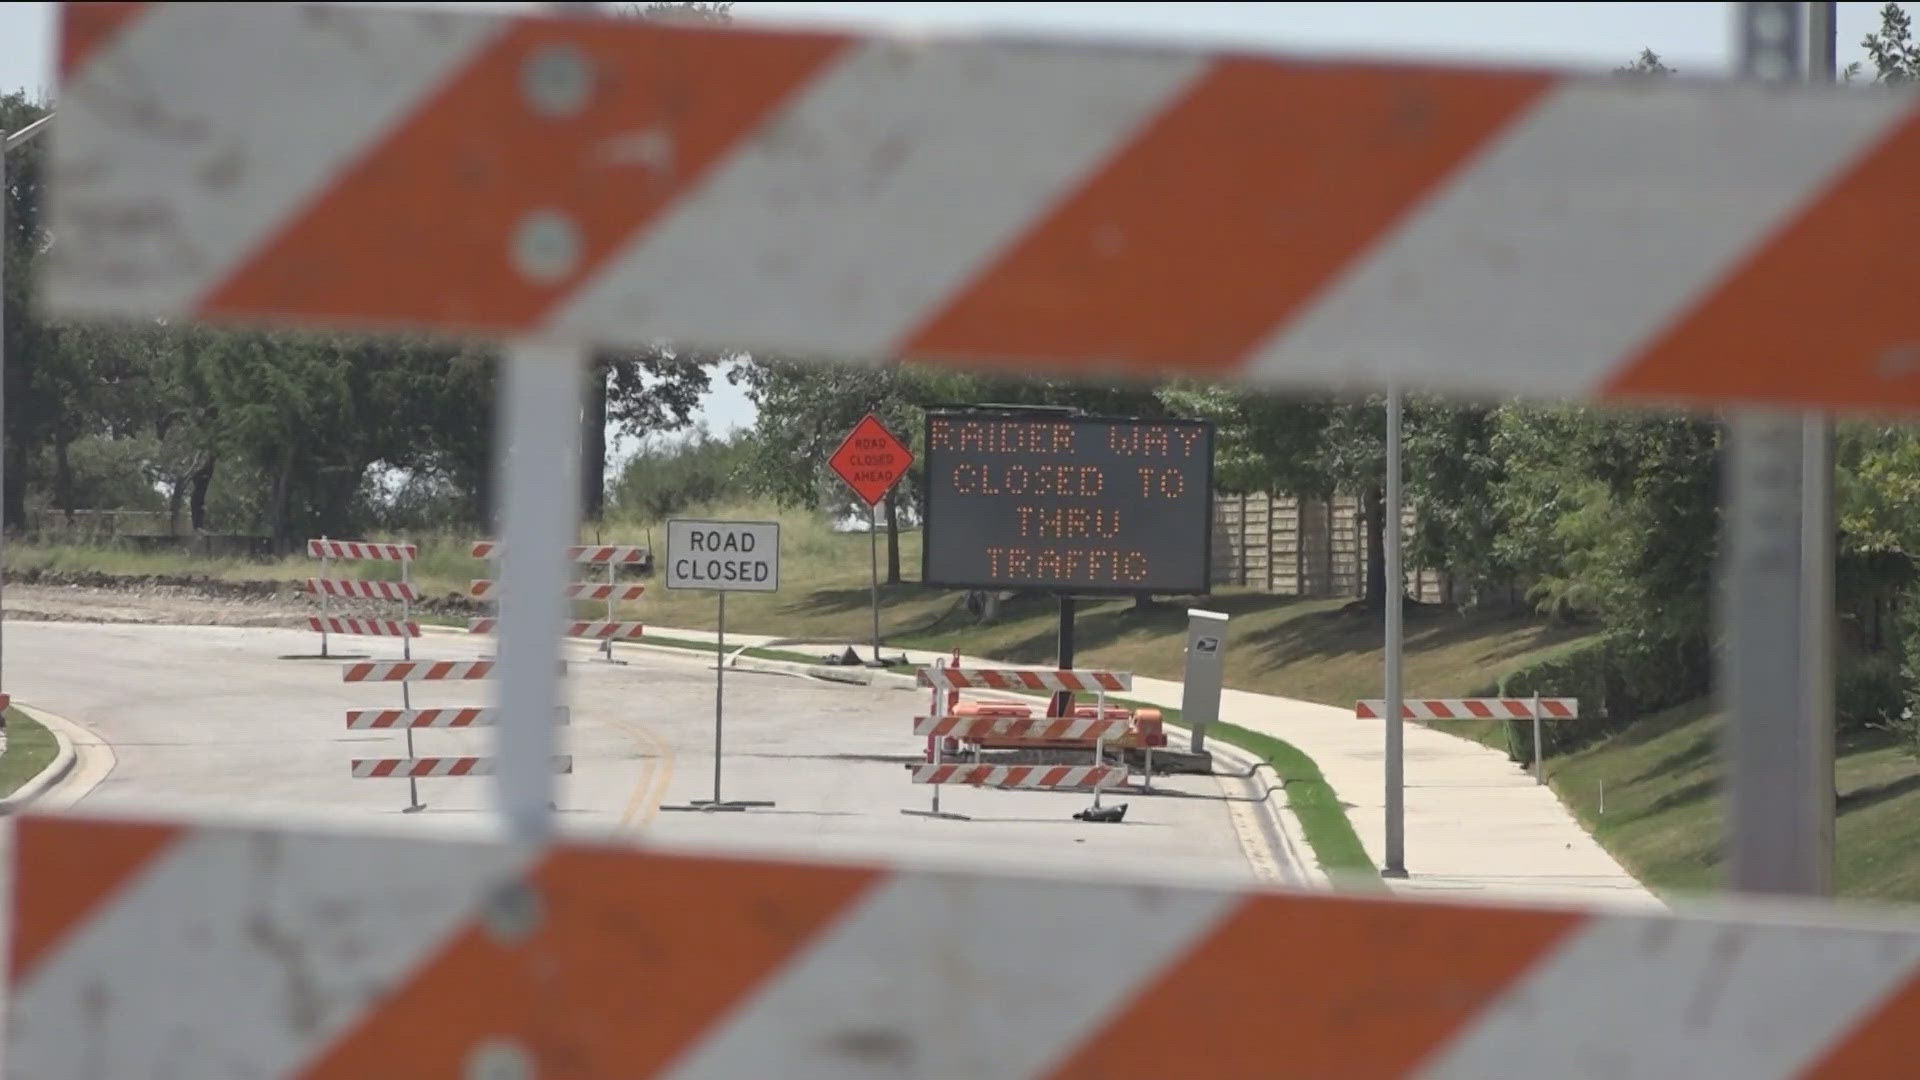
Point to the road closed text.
(724, 555)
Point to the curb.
(62, 764)
(1273, 817)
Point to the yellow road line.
(663, 756)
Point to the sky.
(1694, 38)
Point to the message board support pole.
(1063, 700)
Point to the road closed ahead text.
(727, 555)
(1061, 502)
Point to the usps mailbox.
(1206, 652)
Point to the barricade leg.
(934, 756)
(414, 805)
(326, 602)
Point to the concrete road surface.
(214, 721)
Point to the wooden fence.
(1287, 546)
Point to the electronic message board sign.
(1072, 504)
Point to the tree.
(1648, 63)
(33, 381)
(1896, 59)
(804, 411)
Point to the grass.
(30, 748)
(1664, 816)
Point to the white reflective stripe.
(204, 197)
(957, 977)
(1605, 208)
(242, 954)
(877, 194)
(1656, 997)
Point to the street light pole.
(1396, 854)
(7, 143)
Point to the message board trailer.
(722, 557)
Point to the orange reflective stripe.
(84, 28)
(1386, 989)
(453, 186)
(1809, 315)
(634, 958)
(64, 869)
(1231, 210)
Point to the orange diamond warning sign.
(871, 460)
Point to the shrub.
(1617, 679)
(1869, 691)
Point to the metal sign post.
(873, 564)
(872, 460)
(722, 557)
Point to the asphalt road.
(217, 722)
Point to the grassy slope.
(1664, 815)
(30, 747)
(1302, 649)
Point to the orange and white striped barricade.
(582, 628)
(955, 679)
(326, 588)
(413, 768)
(441, 953)
(611, 556)
(979, 730)
(409, 719)
(1535, 708)
(319, 190)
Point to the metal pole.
(873, 559)
(326, 597)
(540, 400)
(608, 645)
(1822, 42)
(1777, 600)
(1396, 861)
(719, 690)
(1539, 748)
(406, 695)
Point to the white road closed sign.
(729, 556)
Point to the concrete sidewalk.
(1477, 825)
